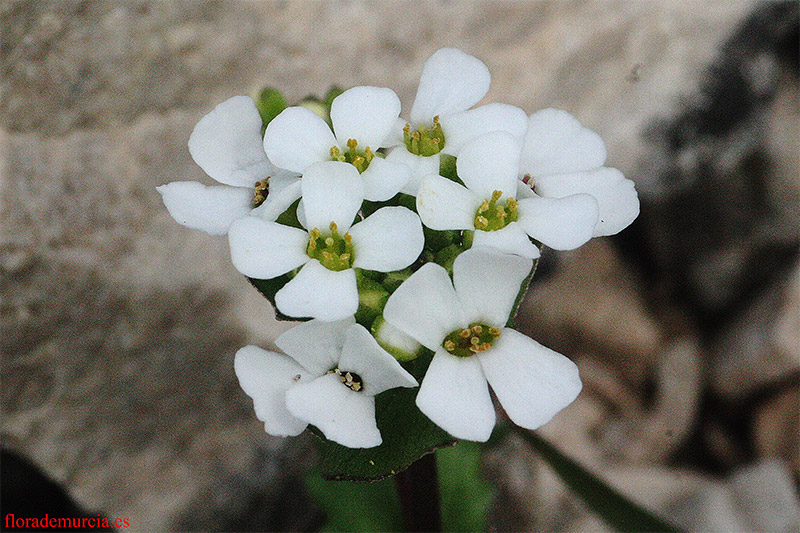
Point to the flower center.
(351, 380)
(470, 341)
(333, 251)
(425, 141)
(261, 191)
(492, 216)
(358, 158)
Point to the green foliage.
(465, 494)
(270, 102)
(357, 506)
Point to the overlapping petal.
(383, 179)
(366, 114)
(226, 143)
(451, 81)
(283, 192)
(264, 250)
(425, 306)
(210, 209)
(298, 137)
(455, 396)
(490, 163)
(512, 239)
(420, 167)
(560, 223)
(315, 344)
(378, 369)
(443, 204)
(320, 293)
(343, 415)
(487, 283)
(332, 192)
(265, 377)
(389, 239)
(616, 195)
(532, 382)
(460, 128)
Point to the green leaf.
(617, 510)
(407, 436)
(523, 288)
(465, 494)
(331, 95)
(357, 506)
(270, 102)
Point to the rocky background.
(118, 327)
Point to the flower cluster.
(401, 238)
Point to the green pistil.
(470, 341)
(261, 192)
(351, 380)
(333, 251)
(425, 141)
(358, 158)
(492, 216)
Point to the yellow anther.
(327, 255)
(485, 346)
(474, 349)
(345, 257)
(436, 119)
(407, 128)
(348, 238)
(481, 222)
(496, 195)
(494, 332)
(465, 333)
(312, 244)
(502, 214)
(329, 241)
(484, 207)
(474, 341)
(314, 233)
(335, 152)
(352, 143)
(477, 328)
(358, 161)
(449, 346)
(368, 153)
(334, 227)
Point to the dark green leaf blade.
(357, 506)
(617, 510)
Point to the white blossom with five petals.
(451, 83)
(362, 119)
(329, 378)
(226, 144)
(561, 158)
(389, 239)
(531, 382)
(488, 165)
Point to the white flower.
(560, 158)
(362, 118)
(325, 288)
(463, 322)
(226, 144)
(441, 119)
(330, 379)
(488, 166)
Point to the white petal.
(532, 382)
(425, 306)
(366, 114)
(560, 223)
(616, 195)
(298, 137)
(226, 143)
(332, 192)
(420, 167)
(343, 415)
(315, 344)
(317, 292)
(283, 191)
(557, 143)
(487, 282)
(378, 369)
(383, 179)
(455, 396)
(395, 136)
(451, 81)
(512, 239)
(524, 190)
(209, 209)
(389, 239)
(265, 377)
(490, 163)
(460, 128)
(265, 250)
(443, 204)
